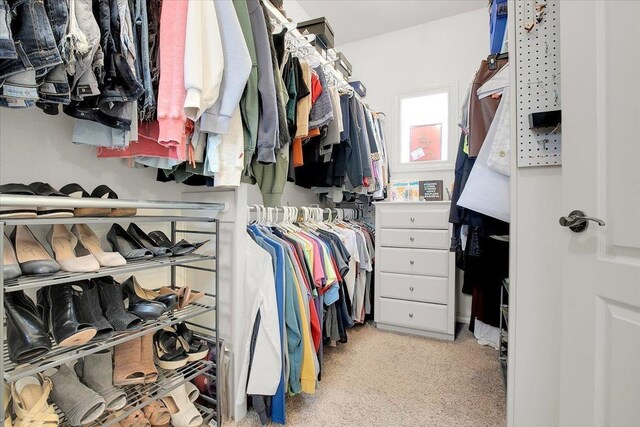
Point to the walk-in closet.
(350, 213)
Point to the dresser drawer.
(416, 315)
(413, 217)
(434, 239)
(428, 262)
(414, 288)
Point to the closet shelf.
(104, 220)
(30, 282)
(139, 396)
(505, 314)
(59, 355)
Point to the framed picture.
(425, 142)
(431, 191)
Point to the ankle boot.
(27, 336)
(89, 309)
(112, 302)
(96, 371)
(62, 317)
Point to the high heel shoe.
(143, 308)
(179, 249)
(10, 266)
(89, 243)
(128, 247)
(185, 295)
(57, 307)
(183, 412)
(27, 336)
(131, 285)
(144, 240)
(96, 371)
(112, 303)
(64, 243)
(32, 257)
(169, 350)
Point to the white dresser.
(414, 272)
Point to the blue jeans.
(33, 38)
(7, 50)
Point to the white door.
(600, 347)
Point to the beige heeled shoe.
(89, 243)
(64, 243)
(33, 258)
(30, 404)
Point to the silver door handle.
(412, 219)
(578, 221)
(411, 262)
(412, 238)
(411, 315)
(411, 288)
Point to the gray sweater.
(268, 125)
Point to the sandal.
(30, 396)
(44, 189)
(17, 212)
(135, 419)
(183, 412)
(76, 191)
(179, 249)
(157, 413)
(186, 295)
(192, 391)
(197, 349)
(104, 192)
(6, 399)
(126, 361)
(170, 352)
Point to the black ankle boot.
(27, 336)
(62, 317)
(112, 302)
(89, 310)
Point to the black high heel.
(128, 247)
(144, 240)
(112, 302)
(143, 308)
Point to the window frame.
(453, 132)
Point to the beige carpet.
(382, 379)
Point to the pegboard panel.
(538, 80)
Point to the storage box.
(359, 88)
(343, 65)
(321, 28)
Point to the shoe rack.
(138, 396)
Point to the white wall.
(447, 51)
(439, 52)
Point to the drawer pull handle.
(413, 219)
(411, 288)
(411, 262)
(411, 315)
(412, 238)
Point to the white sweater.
(260, 292)
(203, 58)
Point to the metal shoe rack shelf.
(138, 396)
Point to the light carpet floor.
(383, 379)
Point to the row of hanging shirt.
(308, 281)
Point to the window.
(426, 120)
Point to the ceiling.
(354, 20)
